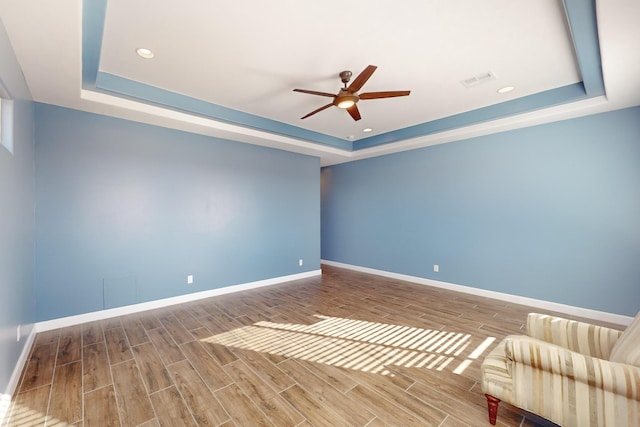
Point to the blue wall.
(126, 211)
(549, 212)
(16, 219)
(16, 239)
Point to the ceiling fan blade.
(361, 79)
(354, 112)
(317, 111)
(388, 94)
(313, 92)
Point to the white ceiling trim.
(331, 155)
(45, 44)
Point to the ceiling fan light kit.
(348, 97)
(345, 100)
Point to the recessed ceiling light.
(505, 89)
(145, 53)
(367, 130)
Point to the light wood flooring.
(343, 349)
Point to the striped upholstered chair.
(569, 372)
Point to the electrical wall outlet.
(18, 335)
(300, 262)
(190, 279)
(436, 268)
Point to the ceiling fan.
(348, 96)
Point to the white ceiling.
(251, 61)
(248, 56)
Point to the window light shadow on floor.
(24, 416)
(359, 344)
(347, 343)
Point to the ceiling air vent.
(478, 79)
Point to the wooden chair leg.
(492, 405)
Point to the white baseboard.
(63, 322)
(5, 398)
(602, 316)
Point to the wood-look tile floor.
(345, 348)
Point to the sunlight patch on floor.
(24, 416)
(358, 344)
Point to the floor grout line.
(360, 307)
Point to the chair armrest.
(585, 338)
(617, 378)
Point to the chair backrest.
(627, 348)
